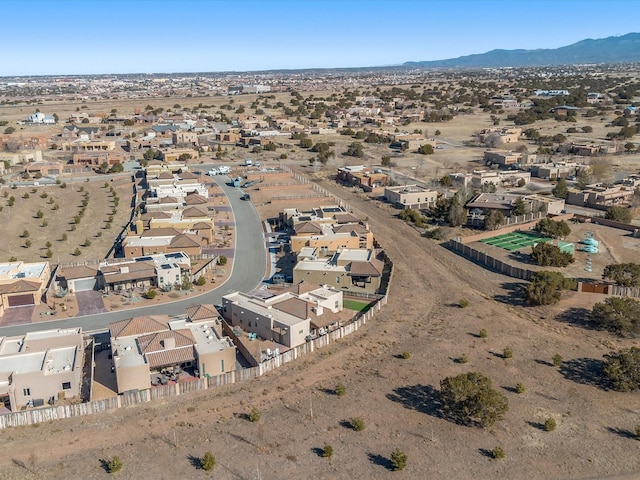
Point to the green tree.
(551, 228)
(445, 181)
(355, 150)
(546, 254)
(498, 453)
(629, 147)
(456, 215)
(425, 149)
(150, 294)
(493, 220)
(386, 161)
(399, 459)
(560, 190)
(623, 369)
(519, 208)
(222, 260)
(623, 274)
(340, 390)
(469, 398)
(207, 462)
(77, 252)
(550, 424)
(619, 214)
(546, 287)
(306, 143)
(9, 130)
(620, 315)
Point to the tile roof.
(188, 175)
(307, 227)
(185, 240)
(155, 342)
(195, 199)
(350, 227)
(202, 226)
(202, 312)
(294, 306)
(81, 271)
(346, 218)
(372, 268)
(166, 200)
(161, 232)
(175, 356)
(19, 286)
(195, 212)
(136, 270)
(139, 325)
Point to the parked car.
(213, 171)
(223, 169)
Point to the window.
(26, 392)
(66, 385)
(222, 365)
(300, 332)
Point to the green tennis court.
(514, 240)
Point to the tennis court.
(515, 240)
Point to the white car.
(224, 169)
(213, 171)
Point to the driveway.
(17, 316)
(90, 303)
(227, 252)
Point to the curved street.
(249, 266)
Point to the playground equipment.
(589, 244)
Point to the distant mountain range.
(604, 50)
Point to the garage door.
(84, 285)
(21, 300)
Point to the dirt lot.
(59, 206)
(394, 396)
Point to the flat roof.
(126, 352)
(354, 255)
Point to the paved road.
(249, 266)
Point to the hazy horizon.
(95, 37)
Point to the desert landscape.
(445, 314)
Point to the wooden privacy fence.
(137, 397)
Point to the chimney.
(319, 309)
(169, 343)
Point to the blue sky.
(50, 37)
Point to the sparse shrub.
(406, 355)
(507, 352)
(49, 253)
(208, 461)
(64, 237)
(557, 360)
(462, 358)
(150, 294)
(55, 207)
(99, 234)
(549, 425)
(44, 223)
(340, 390)
(26, 195)
(48, 244)
(13, 259)
(222, 260)
(327, 451)
(357, 424)
(44, 195)
(398, 459)
(498, 453)
(114, 465)
(520, 388)
(483, 333)
(87, 242)
(77, 252)
(254, 415)
(637, 433)
(39, 214)
(63, 185)
(201, 281)
(25, 234)
(463, 303)
(27, 244)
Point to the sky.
(50, 37)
